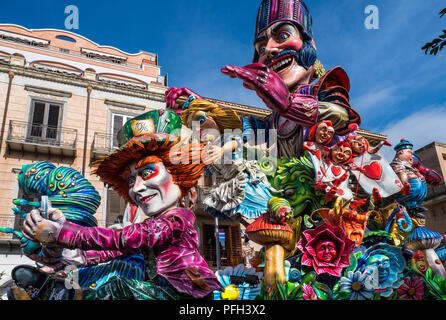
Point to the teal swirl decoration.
(65, 187)
(404, 220)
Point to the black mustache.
(285, 52)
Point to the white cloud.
(420, 128)
(375, 98)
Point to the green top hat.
(156, 121)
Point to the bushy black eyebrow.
(261, 38)
(276, 28)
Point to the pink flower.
(326, 249)
(309, 293)
(411, 289)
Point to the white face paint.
(152, 188)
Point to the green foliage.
(376, 296)
(436, 284)
(294, 291)
(353, 263)
(438, 43)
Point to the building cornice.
(124, 105)
(84, 83)
(53, 92)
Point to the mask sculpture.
(344, 215)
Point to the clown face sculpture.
(152, 187)
(359, 144)
(341, 153)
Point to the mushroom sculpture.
(427, 240)
(274, 236)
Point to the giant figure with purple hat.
(284, 66)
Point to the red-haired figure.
(154, 171)
(319, 136)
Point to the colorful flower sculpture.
(326, 249)
(238, 288)
(308, 292)
(389, 263)
(358, 285)
(411, 289)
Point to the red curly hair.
(183, 162)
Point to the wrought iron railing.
(102, 143)
(32, 133)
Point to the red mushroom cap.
(265, 230)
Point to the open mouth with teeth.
(282, 63)
(146, 199)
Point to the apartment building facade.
(63, 98)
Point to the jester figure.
(414, 177)
(282, 72)
(156, 172)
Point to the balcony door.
(118, 121)
(46, 119)
(230, 243)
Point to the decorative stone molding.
(52, 92)
(17, 60)
(125, 105)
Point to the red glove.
(376, 195)
(406, 189)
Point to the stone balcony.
(37, 138)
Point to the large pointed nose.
(139, 185)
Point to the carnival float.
(335, 219)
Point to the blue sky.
(397, 89)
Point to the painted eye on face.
(202, 119)
(283, 36)
(289, 193)
(148, 173)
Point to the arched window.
(66, 38)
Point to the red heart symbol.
(336, 170)
(373, 171)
